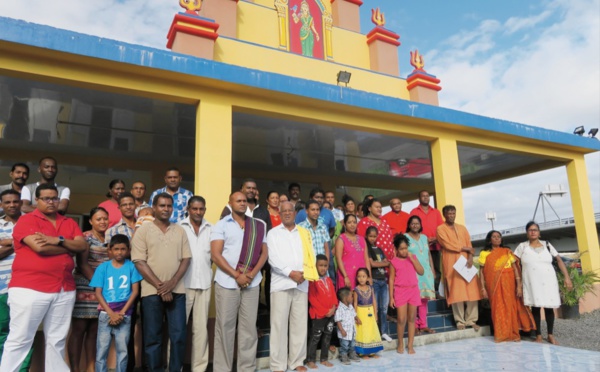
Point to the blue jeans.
(346, 347)
(105, 333)
(153, 312)
(382, 296)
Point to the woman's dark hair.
(368, 204)
(347, 217)
(488, 240)
(410, 220)
(112, 184)
(96, 210)
(531, 223)
(399, 239)
(370, 229)
(358, 271)
(271, 192)
(347, 198)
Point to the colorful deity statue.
(308, 33)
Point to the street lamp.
(491, 216)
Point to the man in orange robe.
(463, 296)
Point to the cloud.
(548, 77)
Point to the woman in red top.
(115, 188)
(273, 207)
(385, 239)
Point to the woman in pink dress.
(372, 212)
(350, 254)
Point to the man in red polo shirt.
(396, 218)
(42, 288)
(431, 218)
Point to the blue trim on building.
(47, 37)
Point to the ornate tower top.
(417, 60)
(191, 6)
(377, 17)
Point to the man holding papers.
(461, 293)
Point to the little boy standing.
(346, 320)
(323, 302)
(117, 284)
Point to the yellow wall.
(258, 48)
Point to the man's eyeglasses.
(49, 200)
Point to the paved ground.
(480, 354)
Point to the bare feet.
(400, 349)
(391, 319)
(365, 357)
(332, 348)
(326, 363)
(375, 356)
(312, 365)
(417, 332)
(552, 340)
(428, 330)
(538, 339)
(411, 350)
(460, 327)
(476, 327)
(300, 368)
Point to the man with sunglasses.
(42, 288)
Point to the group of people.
(349, 267)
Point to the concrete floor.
(479, 354)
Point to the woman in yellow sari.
(501, 284)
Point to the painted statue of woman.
(307, 29)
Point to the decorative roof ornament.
(377, 17)
(417, 60)
(191, 6)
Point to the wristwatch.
(61, 240)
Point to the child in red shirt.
(323, 302)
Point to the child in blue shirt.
(117, 284)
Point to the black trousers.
(537, 317)
(321, 330)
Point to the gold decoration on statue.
(191, 6)
(377, 17)
(417, 60)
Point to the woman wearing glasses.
(540, 286)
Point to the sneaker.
(344, 359)
(386, 337)
(353, 357)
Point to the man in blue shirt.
(325, 215)
(180, 195)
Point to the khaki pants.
(289, 315)
(197, 303)
(231, 305)
(466, 317)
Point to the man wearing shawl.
(238, 248)
(293, 264)
(463, 296)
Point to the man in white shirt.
(289, 294)
(197, 279)
(48, 170)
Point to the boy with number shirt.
(117, 284)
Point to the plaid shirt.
(319, 236)
(345, 315)
(180, 199)
(120, 228)
(6, 230)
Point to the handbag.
(554, 260)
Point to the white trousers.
(289, 316)
(197, 303)
(29, 308)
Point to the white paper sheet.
(461, 267)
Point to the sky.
(534, 62)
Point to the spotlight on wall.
(592, 133)
(580, 130)
(344, 77)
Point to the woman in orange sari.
(501, 283)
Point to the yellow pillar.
(446, 174)
(583, 212)
(214, 135)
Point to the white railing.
(570, 221)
